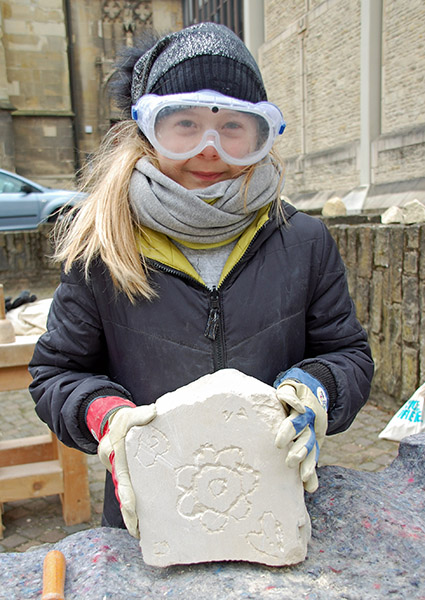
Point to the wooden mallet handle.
(2, 306)
(54, 576)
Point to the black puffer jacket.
(284, 304)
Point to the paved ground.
(36, 521)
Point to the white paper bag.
(408, 420)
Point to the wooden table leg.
(76, 495)
(1, 521)
(39, 465)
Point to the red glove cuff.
(99, 412)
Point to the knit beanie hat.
(202, 56)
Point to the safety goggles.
(180, 126)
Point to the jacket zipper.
(214, 329)
(180, 274)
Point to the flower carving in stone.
(216, 488)
(270, 539)
(153, 445)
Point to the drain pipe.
(370, 84)
(72, 82)
(253, 25)
(302, 29)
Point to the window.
(10, 185)
(226, 12)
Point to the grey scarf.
(165, 206)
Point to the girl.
(183, 260)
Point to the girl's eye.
(232, 125)
(186, 123)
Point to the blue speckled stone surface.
(368, 542)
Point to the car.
(25, 204)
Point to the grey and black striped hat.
(203, 56)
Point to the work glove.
(23, 298)
(109, 419)
(305, 401)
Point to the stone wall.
(25, 260)
(38, 86)
(386, 276)
(7, 147)
(48, 149)
(56, 57)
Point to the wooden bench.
(40, 465)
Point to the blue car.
(25, 204)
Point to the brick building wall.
(403, 64)
(312, 66)
(386, 277)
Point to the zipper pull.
(213, 321)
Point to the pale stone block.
(14, 27)
(414, 212)
(393, 214)
(334, 207)
(48, 29)
(13, 88)
(209, 482)
(50, 131)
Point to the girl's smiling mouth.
(207, 175)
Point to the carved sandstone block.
(209, 482)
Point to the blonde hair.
(102, 225)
